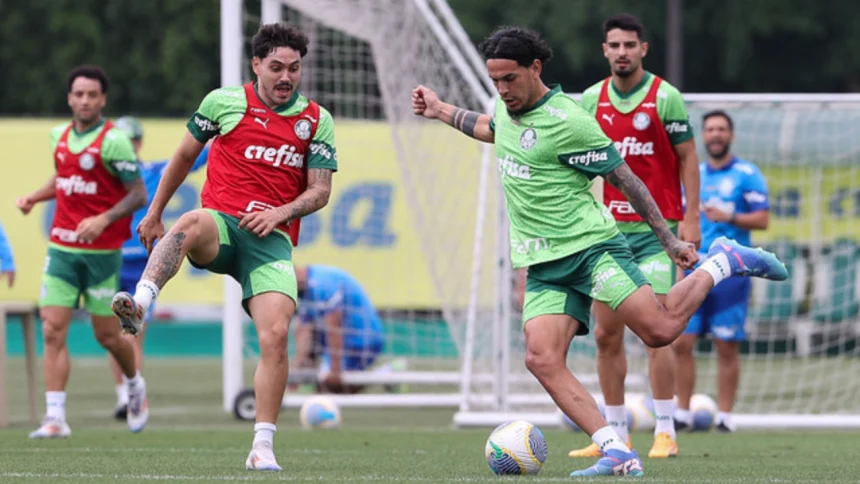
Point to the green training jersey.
(670, 105)
(547, 158)
(116, 151)
(222, 109)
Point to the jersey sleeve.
(755, 191)
(118, 156)
(322, 150)
(7, 260)
(206, 122)
(673, 113)
(584, 147)
(589, 98)
(55, 135)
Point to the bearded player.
(549, 150)
(270, 165)
(97, 186)
(646, 118)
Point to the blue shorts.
(724, 311)
(132, 270)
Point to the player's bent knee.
(108, 339)
(657, 336)
(608, 339)
(543, 361)
(273, 342)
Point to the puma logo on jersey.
(632, 146)
(261, 122)
(608, 118)
(286, 155)
(76, 185)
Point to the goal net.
(801, 359)
(410, 205)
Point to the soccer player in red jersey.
(270, 164)
(97, 186)
(647, 119)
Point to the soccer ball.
(516, 447)
(704, 411)
(319, 412)
(640, 412)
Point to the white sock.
(718, 267)
(136, 381)
(616, 417)
(607, 439)
(685, 416)
(725, 418)
(145, 292)
(664, 410)
(264, 434)
(122, 393)
(56, 404)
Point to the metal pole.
(675, 42)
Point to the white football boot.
(262, 458)
(52, 428)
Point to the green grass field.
(190, 439)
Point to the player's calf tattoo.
(165, 259)
(640, 198)
(465, 121)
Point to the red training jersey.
(642, 140)
(262, 162)
(85, 188)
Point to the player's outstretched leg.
(548, 338)
(195, 235)
(747, 261)
(271, 312)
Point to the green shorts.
(259, 265)
(605, 272)
(72, 274)
(649, 254)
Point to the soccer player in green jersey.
(548, 151)
(97, 186)
(647, 119)
(270, 164)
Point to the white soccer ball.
(516, 447)
(704, 410)
(320, 412)
(640, 411)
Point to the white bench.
(27, 312)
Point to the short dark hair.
(89, 72)
(624, 21)
(721, 114)
(518, 44)
(271, 36)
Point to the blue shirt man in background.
(734, 202)
(7, 259)
(337, 322)
(134, 255)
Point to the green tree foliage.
(163, 55)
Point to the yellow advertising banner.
(368, 227)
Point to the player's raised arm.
(176, 171)
(425, 102)
(640, 199)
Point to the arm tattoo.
(465, 121)
(314, 198)
(640, 198)
(165, 260)
(133, 200)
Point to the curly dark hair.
(271, 36)
(89, 72)
(519, 44)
